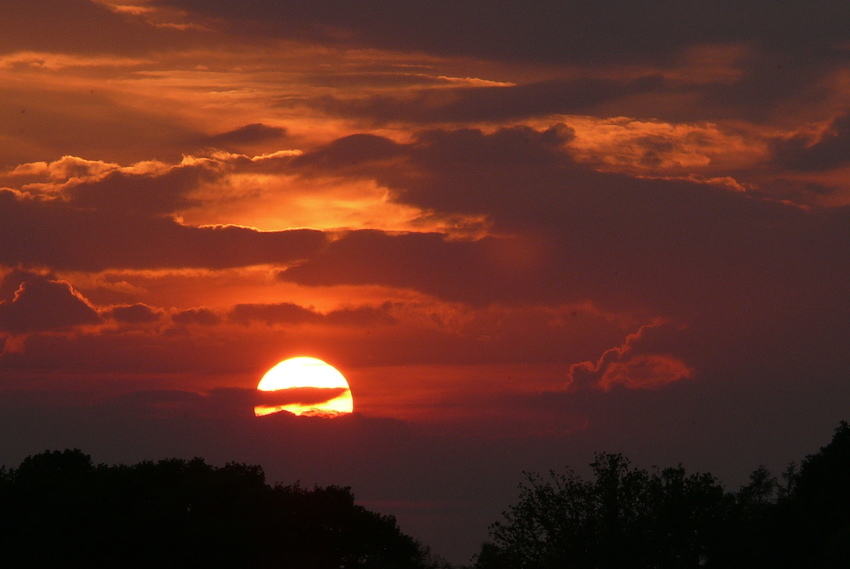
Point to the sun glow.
(304, 386)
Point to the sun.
(304, 386)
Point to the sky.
(524, 232)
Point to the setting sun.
(304, 386)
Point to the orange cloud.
(632, 364)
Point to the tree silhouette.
(624, 517)
(628, 518)
(60, 510)
(817, 507)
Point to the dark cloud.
(201, 316)
(245, 135)
(550, 30)
(508, 147)
(361, 316)
(475, 104)
(11, 282)
(219, 402)
(797, 191)
(298, 396)
(425, 261)
(53, 234)
(439, 150)
(44, 26)
(41, 304)
(288, 313)
(130, 193)
(134, 313)
(766, 86)
(792, 47)
(370, 78)
(830, 150)
(565, 233)
(281, 313)
(348, 152)
(759, 284)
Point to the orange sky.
(523, 233)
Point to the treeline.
(58, 509)
(630, 518)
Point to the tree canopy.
(61, 510)
(629, 518)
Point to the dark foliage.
(811, 521)
(57, 509)
(628, 518)
(625, 517)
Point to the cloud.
(425, 261)
(41, 303)
(392, 77)
(63, 169)
(138, 313)
(289, 313)
(219, 402)
(200, 316)
(51, 233)
(547, 31)
(246, 135)
(662, 50)
(513, 146)
(349, 151)
(490, 103)
(632, 364)
(280, 313)
(645, 371)
(299, 395)
(830, 149)
(145, 194)
(562, 232)
(366, 316)
(96, 30)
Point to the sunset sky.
(523, 231)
